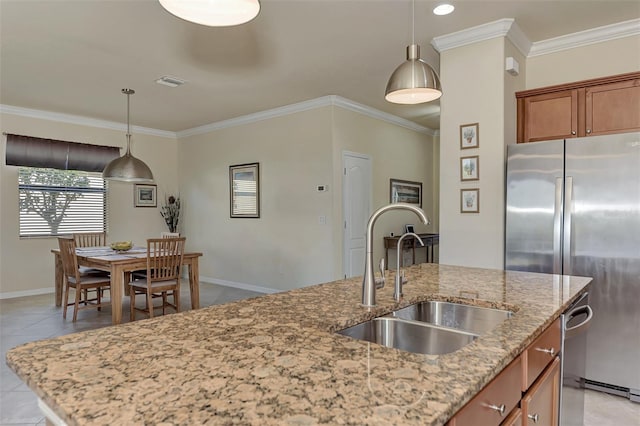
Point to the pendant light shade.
(414, 81)
(213, 13)
(128, 168)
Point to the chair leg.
(77, 302)
(66, 299)
(132, 304)
(176, 298)
(98, 293)
(150, 304)
(164, 302)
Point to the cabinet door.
(514, 419)
(492, 404)
(613, 108)
(540, 403)
(550, 116)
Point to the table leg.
(194, 283)
(116, 291)
(58, 278)
(386, 258)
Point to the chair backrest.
(164, 258)
(69, 259)
(169, 235)
(90, 239)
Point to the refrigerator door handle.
(566, 229)
(557, 228)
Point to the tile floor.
(35, 317)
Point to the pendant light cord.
(413, 22)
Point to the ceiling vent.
(170, 81)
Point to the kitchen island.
(277, 360)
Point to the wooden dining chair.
(90, 239)
(164, 262)
(82, 283)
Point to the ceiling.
(74, 56)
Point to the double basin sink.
(431, 327)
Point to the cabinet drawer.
(540, 403)
(514, 419)
(540, 353)
(503, 393)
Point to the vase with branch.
(170, 211)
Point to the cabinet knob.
(499, 408)
(533, 417)
(573, 132)
(549, 351)
(588, 131)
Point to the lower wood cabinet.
(540, 403)
(526, 392)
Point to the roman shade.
(29, 151)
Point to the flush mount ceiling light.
(414, 81)
(213, 13)
(128, 168)
(443, 9)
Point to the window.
(58, 202)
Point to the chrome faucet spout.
(397, 294)
(369, 280)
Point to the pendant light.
(414, 81)
(128, 168)
(213, 13)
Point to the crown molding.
(330, 100)
(506, 27)
(82, 121)
(509, 28)
(587, 37)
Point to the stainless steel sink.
(409, 336)
(432, 327)
(474, 319)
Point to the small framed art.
(470, 200)
(469, 168)
(469, 136)
(244, 190)
(404, 191)
(144, 195)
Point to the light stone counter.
(276, 360)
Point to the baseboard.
(23, 293)
(241, 286)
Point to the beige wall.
(395, 152)
(287, 247)
(474, 92)
(583, 63)
(27, 264)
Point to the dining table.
(120, 265)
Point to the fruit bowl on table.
(121, 245)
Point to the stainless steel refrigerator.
(573, 208)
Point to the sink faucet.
(397, 294)
(369, 280)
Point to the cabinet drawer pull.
(550, 351)
(533, 417)
(499, 408)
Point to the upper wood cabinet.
(592, 107)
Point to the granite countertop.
(275, 359)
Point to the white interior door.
(356, 190)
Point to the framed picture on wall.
(144, 195)
(404, 191)
(469, 136)
(469, 168)
(470, 200)
(244, 190)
